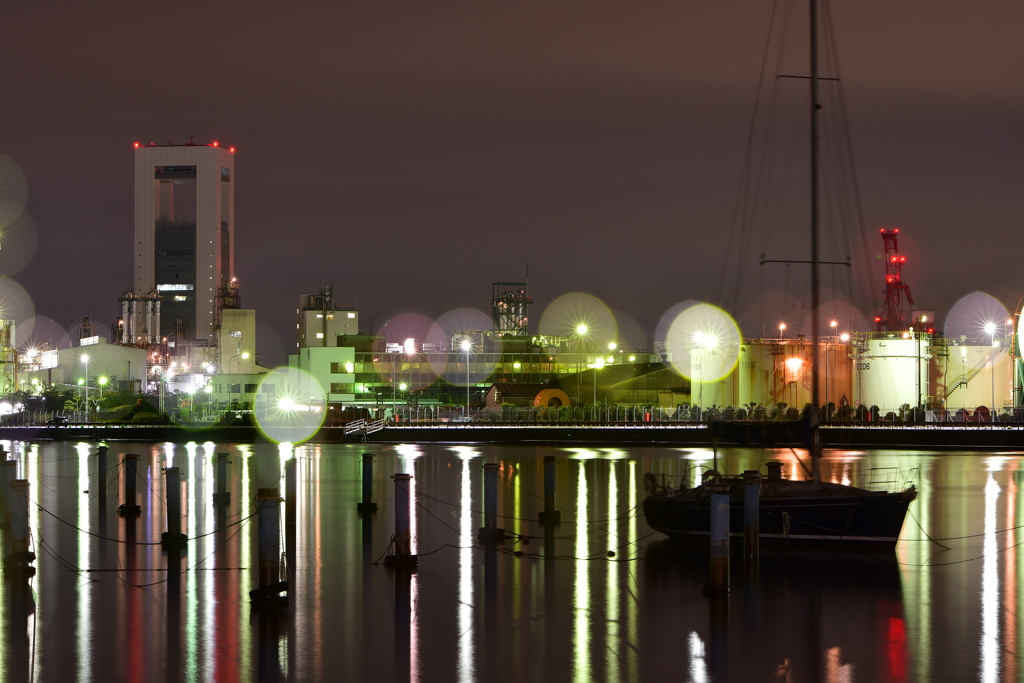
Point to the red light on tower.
(215, 143)
(232, 150)
(892, 318)
(136, 145)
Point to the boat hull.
(854, 521)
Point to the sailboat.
(804, 511)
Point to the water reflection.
(124, 609)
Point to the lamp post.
(990, 328)
(581, 330)
(782, 330)
(833, 324)
(466, 346)
(244, 355)
(598, 364)
(85, 361)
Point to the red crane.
(892, 318)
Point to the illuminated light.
(209, 388)
(794, 364)
(103, 381)
(245, 355)
(286, 403)
(85, 356)
(906, 335)
(466, 345)
(931, 330)
(844, 337)
(403, 386)
(136, 145)
(81, 382)
(990, 328)
(517, 365)
(877, 319)
(581, 329)
(232, 150)
(632, 358)
(215, 143)
(1009, 321)
(782, 327)
(410, 346)
(599, 363)
(612, 346)
(834, 324)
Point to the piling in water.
(221, 495)
(367, 504)
(18, 562)
(550, 514)
(10, 474)
(268, 510)
(173, 533)
(129, 507)
(101, 473)
(490, 531)
(291, 498)
(403, 556)
(719, 537)
(751, 515)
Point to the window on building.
(267, 388)
(251, 388)
(351, 315)
(234, 388)
(342, 388)
(319, 335)
(235, 333)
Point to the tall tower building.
(184, 236)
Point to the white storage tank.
(890, 372)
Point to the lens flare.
(972, 313)
(703, 343)
(460, 332)
(290, 405)
(571, 313)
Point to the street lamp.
(833, 324)
(466, 346)
(244, 355)
(85, 361)
(990, 329)
(581, 331)
(782, 330)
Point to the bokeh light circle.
(580, 315)
(713, 334)
(15, 303)
(973, 313)
(290, 405)
(448, 332)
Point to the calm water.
(561, 611)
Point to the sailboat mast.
(815, 294)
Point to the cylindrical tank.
(974, 374)
(710, 379)
(884, 372)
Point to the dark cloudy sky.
(415, 152)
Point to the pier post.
(221, 495)
(550, 514)
(173, 533)
(101, 474)
(751, 515)
(18, 561)
(10, 475)
(131, 468)
(268, 510)
(291, 499)
(403, 556)
(367, 504)
(719, 537)
(490, 531)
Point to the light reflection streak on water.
(613, 638)
(581, 593)
(634, 587)
(407, 462)
(698, 660)
(83, 625)
(30, 470)
(209, 578)
(193, 497)
(989, 645)
(247, 553)
(466, 668)
(1010, 576)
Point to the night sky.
(413, 153)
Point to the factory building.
(184, 240)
